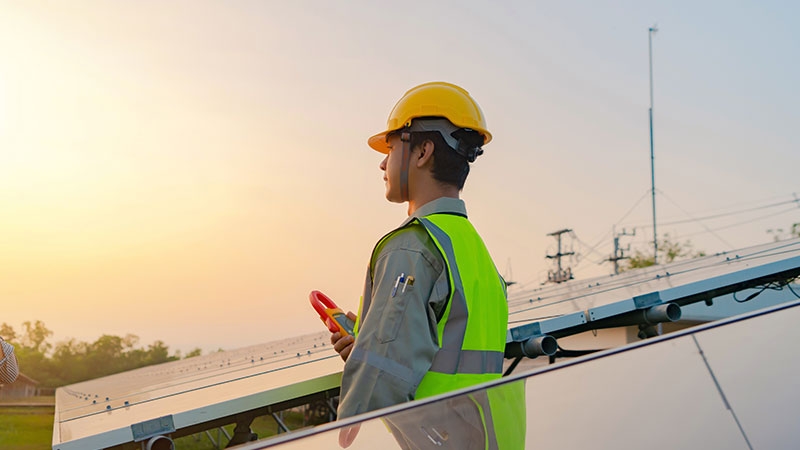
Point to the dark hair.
(448, 166)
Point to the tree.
(106, 355)
(73, 361)
(31, 351)
(7, 332)
(196, 352)
(668, 251)
(70, 360)
(158, 353)
(35, 336)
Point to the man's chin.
(393, 197)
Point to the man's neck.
(417, 201)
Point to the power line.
(748, 204)
(731, 213)
(591, 249)
(633, 207)
(756, 219)
(603, 238)
(698, 221)
(586, 248)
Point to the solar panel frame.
(682, 283)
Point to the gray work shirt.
(397, 337)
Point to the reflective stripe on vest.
(470, 351)
(451, 357)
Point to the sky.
(188, 171)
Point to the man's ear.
(425, 153)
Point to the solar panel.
(711, 386)
(576, 306)
(106, 412)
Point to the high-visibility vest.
(472, 330)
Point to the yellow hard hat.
(435, 99)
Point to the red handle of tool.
(322, 303)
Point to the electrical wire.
(716, 216)
(756, 219)
(512, 366)
(591, 250)
(696, 220)
(606, 236)
(749, 297)
(603, 238)
(789, 285)
(775, 286)
(795, 200)
(633, 207)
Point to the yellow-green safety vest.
(472, 331)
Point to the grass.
(31, 428)
(39, 400)
(26, 428)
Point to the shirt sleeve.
(8, 363)
(398, 338)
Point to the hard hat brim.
(378, 142)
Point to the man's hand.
(343, 345)
(348, 434)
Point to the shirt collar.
(442, 205)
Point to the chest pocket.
(391, 319)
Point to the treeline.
(73, 361)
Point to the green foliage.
(72, 361)
(193, 353)
(35, 336)
(7, 332)
(668, 251)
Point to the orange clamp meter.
(331, 315)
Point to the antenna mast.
(652, 30)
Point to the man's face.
(390, 166)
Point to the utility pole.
(559, 275)
(619, 254)
(650, 34)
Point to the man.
(434, 316)
(8, 363)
